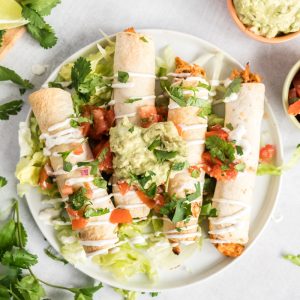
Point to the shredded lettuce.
(166, 61)
(25, 141)
(70, 248)
(28, 169)
(214, 119)
(126, 263)
(127, 295)
(271, 169)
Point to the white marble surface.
(262, 273)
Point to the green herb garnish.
(178, 166)
(239, 150)
(162, 155)
(50, 252)
(229, 126)
(123, 76)
(2, 32)
(143, 39)
(10, 108)
(295, 259)
(234, 87)
(100, 182)
(3, 181)
(78, 199)
(155, 144)
(95, 212)
(131, 100)
(7, 74)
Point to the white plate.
(207, 262)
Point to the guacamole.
(140, 150)
(269, 18)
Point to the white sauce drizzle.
(131, 206)
(196, 142)
(120, 85)
(183, 236)
(100, 243)
(134, 74)
(192, 127)
(231, 98)
(78, 180)
(60, 124)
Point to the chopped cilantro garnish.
(78, 199)
(239, 150)
(179, 209)
(93, 164)
(144, 39)
(155, 144)
(10, 108)
(100, 182)
(229, 126)
(131, 100)
(3, 181)
(123, 76)
(95, 212)
(162, 155)
(195, 173)
(178, 166)
(234, 87)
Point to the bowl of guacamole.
(270, 21)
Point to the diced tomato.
(89, 192)
(267, 152)
(179, 129)
(79, 223)
(102, 121)
(106, 162)
(120, 216)
(145, 199)
(292, 93)
(67, 190)
(148, 115)
(294, 109)
(74, 213)
(124, 187)
(110, 118)
(78, 149)
(213, 167)
(44, 180)
(218, 131)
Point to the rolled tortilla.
(52, 108)
(193, 129)
(134, 54)
(233, 198)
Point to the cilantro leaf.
(229, 126)
(218, 148)
(45, 36)
(80, 70)
(64, 154)
(12, 275)
(179, 209)
(123, 76)
(154, 294)
(7, 74)
(42, 7)
(155, 144)
(142, 38)
(78, 199)
(162, 155)
(10, 108)
(176, 94)
(67, 166)
(33, 17)
(86, 293)
(234, 87)
(208, 211)
(23, 236)
(239, 150)
(143, 180)
(132, 99)
(178, 166)
(2, 32)
(295, 259)
(3, 181)
(95, 212)
(30, 288)
(7, 235)
(50, 252)
(100, 182)
(19, 258)
(55, 84)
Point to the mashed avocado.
(130, 144)
(269, 18)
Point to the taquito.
(53, 109)
(233, 198)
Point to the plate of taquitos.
(139, 159)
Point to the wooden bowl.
(285, 93)
(245, 29)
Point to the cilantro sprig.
(234, 87)
(7, 74)
(179, 209)
(17, 284)
(145, 184)
(10, 108)
(2, 32)
(34, 11)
